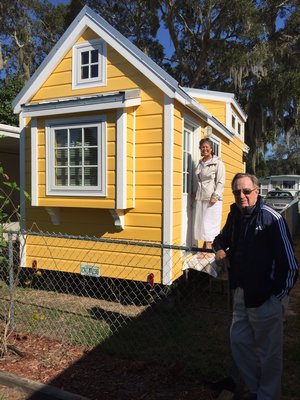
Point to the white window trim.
(196, 125)
(235, 128)
(51, 188)
(95, 44)
(121, 179)
(168, 187)
(218, 142)
(34, 162)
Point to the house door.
(187, 201)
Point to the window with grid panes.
(76, 158)
(89, 64)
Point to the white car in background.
(279, 199)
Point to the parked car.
(278, 199)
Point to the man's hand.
(222, 260)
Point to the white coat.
(209, 179)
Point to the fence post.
(11, 280)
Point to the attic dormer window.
(89, 64)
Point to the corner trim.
(34, 163)
(168, 189)
(121, 160)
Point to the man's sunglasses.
(245, 191)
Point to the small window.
(289, 184)
(239, 128)
(233, 121)
(187, 158)
(216, 145)
(89, 64)
(76, 158)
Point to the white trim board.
(168, 189)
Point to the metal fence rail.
(121, 315)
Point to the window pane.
(61, 137)
(94, 71)
(216, 149)
(185, 162)
(75, 157)
(61, 176)
(94, 56)
(75, 177)
(233, 121)
(76, 137)
(90, 136)
(61, 157)
(288, 184)
(184, 183)
(90, 176)
(91, 156)
(84, 57)
(84, 72)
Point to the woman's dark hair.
(208, 141)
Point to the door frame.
(188, 217)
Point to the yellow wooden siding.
(232, 156)
(177, 191)
(114, 260)
(121, 75)
(216, 108)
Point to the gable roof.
(217, 96)
(87, 18)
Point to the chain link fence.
(63, 295)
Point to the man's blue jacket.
(266, 263)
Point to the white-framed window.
(76, 157)
(187, 158)
(237, 125)
(233, 121)
(216, 145)
(239, 128)
(89, 64)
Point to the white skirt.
(207, 220)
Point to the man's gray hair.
(240, 175)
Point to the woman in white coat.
(209, 187)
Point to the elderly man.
(255, 246)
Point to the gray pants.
(256, 342)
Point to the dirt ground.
(94, 374)
(7, 393)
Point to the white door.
(187, 201)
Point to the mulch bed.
(96, 375)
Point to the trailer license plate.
(89, 270)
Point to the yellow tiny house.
(109, 142)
